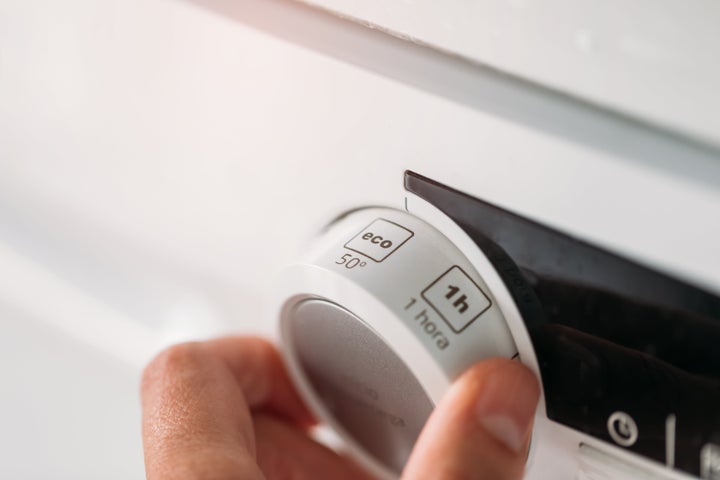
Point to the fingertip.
(506, 396)
(481, 429)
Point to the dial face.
(381, 317)
(371, 394)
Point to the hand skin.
(225, 409)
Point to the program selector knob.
(376, 322)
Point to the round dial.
(376, 323)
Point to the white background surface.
(159, 161)
(623, 56)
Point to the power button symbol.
(622, 428)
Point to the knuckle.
(170, 361)
(266, 350)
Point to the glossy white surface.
(651, 59)
(159, 161)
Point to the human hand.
(225, 409)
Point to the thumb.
(481, 429)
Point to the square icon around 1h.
(379, 240)
(456, 298)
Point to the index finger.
(260, 372)
(197, 399)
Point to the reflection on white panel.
(651, 59)
(69, 410)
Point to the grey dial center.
(370, 393)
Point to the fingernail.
(506, 407)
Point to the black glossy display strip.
(610, 334)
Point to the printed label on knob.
(456, 298)
(379, 240)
